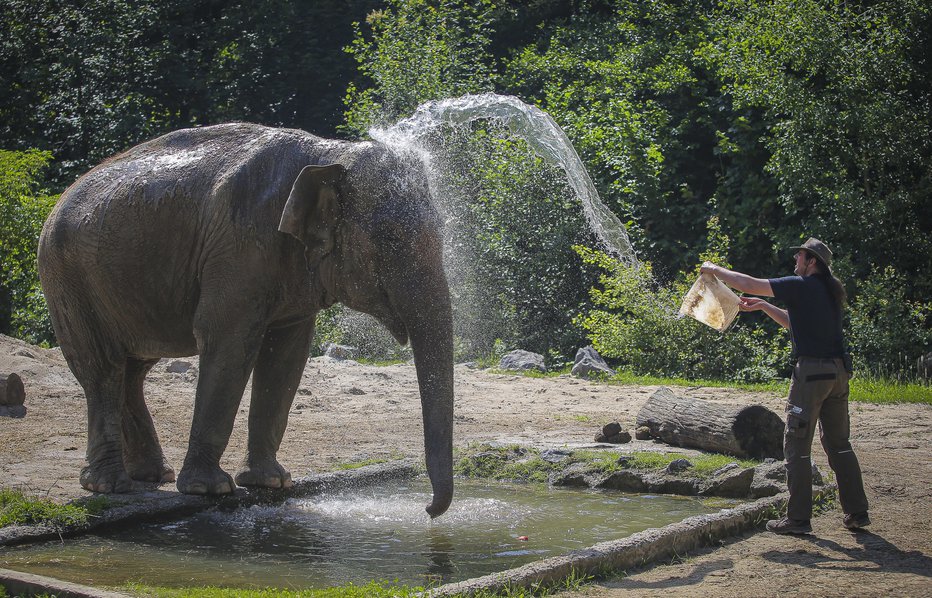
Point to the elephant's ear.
(313, 207)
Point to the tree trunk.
(12, 393)
(740, 430)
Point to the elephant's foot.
(264, 474)
(106, 479)
(154, 470)
(202, 479)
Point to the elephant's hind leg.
(274, 383)
(102, 380)
(142, 453)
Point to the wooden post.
(740, 430)
(12, 392)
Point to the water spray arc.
(533, 125)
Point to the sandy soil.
(345, 411)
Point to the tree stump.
(12, 392)
(740, 430)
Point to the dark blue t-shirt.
(815, 320)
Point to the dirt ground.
(345, 412)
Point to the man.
(814, 300)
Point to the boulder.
(667, 483)
(678, 465)
(589, 364)
(578, 475)
(12, 391)
(612, 433)
(336, 351)
(520, 360)
(769, 479)
(733, 482)
(178, 366)
(619, 438)
(626, 481)
(643, 433)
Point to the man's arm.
(739, 281)
(780, 316)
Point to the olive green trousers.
(819, 393)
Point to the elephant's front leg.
(274, 382)
(226, 359)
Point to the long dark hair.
(834, 285)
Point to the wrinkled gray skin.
(225, 242)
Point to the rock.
(611, 429)
(619, 438)
(724, 468)
(626, 481)
(667, 483)
(16, 411)
(12, 391)
(24, 353)
(555, 455)
(589, 364)
(678, 465)
(336, 351)
(356, 391)
(613, 434)
(643, 433)
(624, 461)
(732, 482)
(179, 366)
(817, 476)
(579, 475)
(520, 360)
(769, 479)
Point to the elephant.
(226, 241)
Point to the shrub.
(23, 210)
(887, 332)
(636, 324)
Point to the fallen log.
(12, 392)
(740, 430)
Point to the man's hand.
(708, 268)
(737, 280)
(751, 304)
(757, 304)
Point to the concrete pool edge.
(637, 550)
(18, 583)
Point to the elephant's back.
(175, 176)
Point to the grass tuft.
(16, 508)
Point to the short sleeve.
(787, 288)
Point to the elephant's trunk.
(432, 343)
(420, 297)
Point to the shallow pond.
(369, 533)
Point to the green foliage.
(887, 331)
(94, 78)
(624, 83)
(23, 209)
(783, 118)
(635, 323)
(516, 281)
(843, 95)
(417, 50)
(16, 508)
